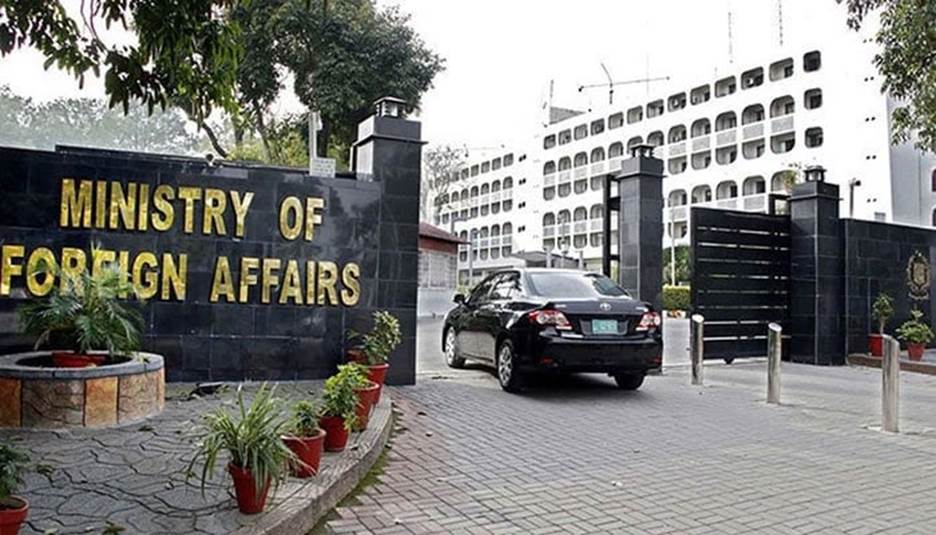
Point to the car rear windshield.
(564, 285)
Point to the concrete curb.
(915, 366)
(300, 504)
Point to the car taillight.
(650, 320)
(551, 317)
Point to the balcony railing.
(507, 193)
(564, 229)
(597, 224)
(752, 131)
(781, 124)
(614, 164)
(496, 197)
(485, 199)
(549, 231)
(549, 180)
(598, 168)
(580, 227)
(495, 241)
(506, 240)
(581, 172)
(565, 177)
(756, 202)
(727, 137)
(677, 149)
(701, 143)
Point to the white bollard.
(890, 393)
(696, 349)
(774, 352)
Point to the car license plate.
(604, 327)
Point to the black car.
(554, 320)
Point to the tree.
(907, 63)
(342, 56)
(90, 122)
(683, 265)
(439, 164)
(186, 51)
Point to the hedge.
(676, 297)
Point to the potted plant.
(339, 407)
(306, 439)
(916, 333)
(366, 392)
(87, 314)
(882, 310)
(257, 456)
(379, 343)
(13, 509)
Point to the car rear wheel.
(451, 352)
(507, 374)
(629, 381)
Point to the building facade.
(729, 141)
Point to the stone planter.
(33, 394)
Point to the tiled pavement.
(579, 456)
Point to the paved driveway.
(580, 456)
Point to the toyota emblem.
(605, 306)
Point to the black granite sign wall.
(876, 258)
(268, 291)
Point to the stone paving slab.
(134, 476)
(580, 456)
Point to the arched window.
(701, 127)
(677, 134)
(782, 106)
(812, 99)
(677, 197)
(508, 182)
(701, 193)
(495, 186)
(581, 159)
(633, 142)
(597, 154)
(565, 163)
(474, 192)
(752, 114)
(726, 121)
(616, 150)
(597, 211)
(726, 190)
(580, 214)
(549, 218)
(655, 139)
(812, 61)
(549, 168)
(781, 181)
(485, 189)
(754, 185)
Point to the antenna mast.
(730, 38)
(780, 20)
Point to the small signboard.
(324, 167)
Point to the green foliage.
(341, 56)
(339, 398)
(89, 122)
(305, 417)
(11, 469)
(383, 338)
(251, 437)
(907, 37)
(186, 52)
(882, 310)
(683, 265)
(439, 163)
(915, 330)
(86, 311)
(676, 297)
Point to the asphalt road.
(429, 359)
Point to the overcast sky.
(500, 55)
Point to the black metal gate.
(740, 279)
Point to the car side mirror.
(459, 298)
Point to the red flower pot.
(13, 513)
(249, 501)
(309, 452)
(876, 345)
(70, 359)
(916, 351)
(336, 435)
(355, 354)
(378, 374)
(367, 396)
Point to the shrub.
(11, 468)
(86, 312)
(339, 398)
(305, 417)
(383, 338)
(914, 330)
(882, 310)
(251, 438)
(676, 297)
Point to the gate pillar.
(640, 225)
(816, 269)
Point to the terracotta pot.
(916, 351)
(336, 435)
(876, 345)
(70, 359)
(249, 501)
(378, 374)
(309, 452)
(355, 354)
(367, 396)
(13, 513)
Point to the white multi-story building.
(729, 142)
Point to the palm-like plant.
(88, 311)
(251, 438)
(11, 468)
